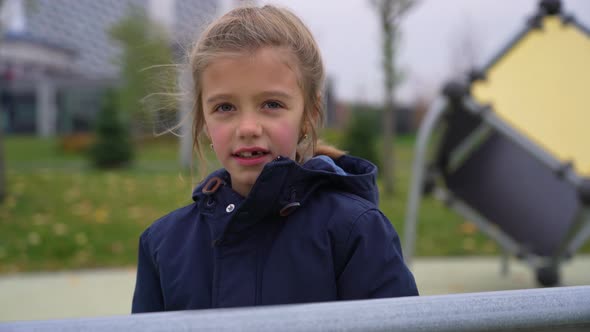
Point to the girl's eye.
(224, 108)
(272, 104)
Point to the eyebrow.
(275, 93)
(264, 94)
(215, 98)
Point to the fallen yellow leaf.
(39, 219)
(34, 238)
(60, 229)
(468, 244)
(101, 215)
(468, 228)
(117, 247)
(81, 239)
(72, 195)
(82, 209)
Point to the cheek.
(286, 135)
(219, 136)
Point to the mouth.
(251, 153)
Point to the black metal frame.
(460, 144)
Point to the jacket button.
(230, 208)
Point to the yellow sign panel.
(541, 87)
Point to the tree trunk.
(390, 13)
(389, 107)
(388, 149)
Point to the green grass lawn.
(60, 213)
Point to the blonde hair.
(247, 29)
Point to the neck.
(243, 189)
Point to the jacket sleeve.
(148, 293)
(371, 264)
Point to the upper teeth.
(248, 154)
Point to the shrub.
(113, 147)
(362, 133)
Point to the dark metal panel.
(513, 190)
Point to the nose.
(249, 126)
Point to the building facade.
(57, 58)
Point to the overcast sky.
(348, 35)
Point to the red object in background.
(8, 74)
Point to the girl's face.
(253, 111)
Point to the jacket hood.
(284, 185)
(349, 174)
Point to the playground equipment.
(509, 150)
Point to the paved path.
(108, 292)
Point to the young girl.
(286, 220)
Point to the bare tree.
(390, 13)
(465, 50)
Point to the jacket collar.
(282, 187)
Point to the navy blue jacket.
(305, 233)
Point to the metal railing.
(549, 309)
